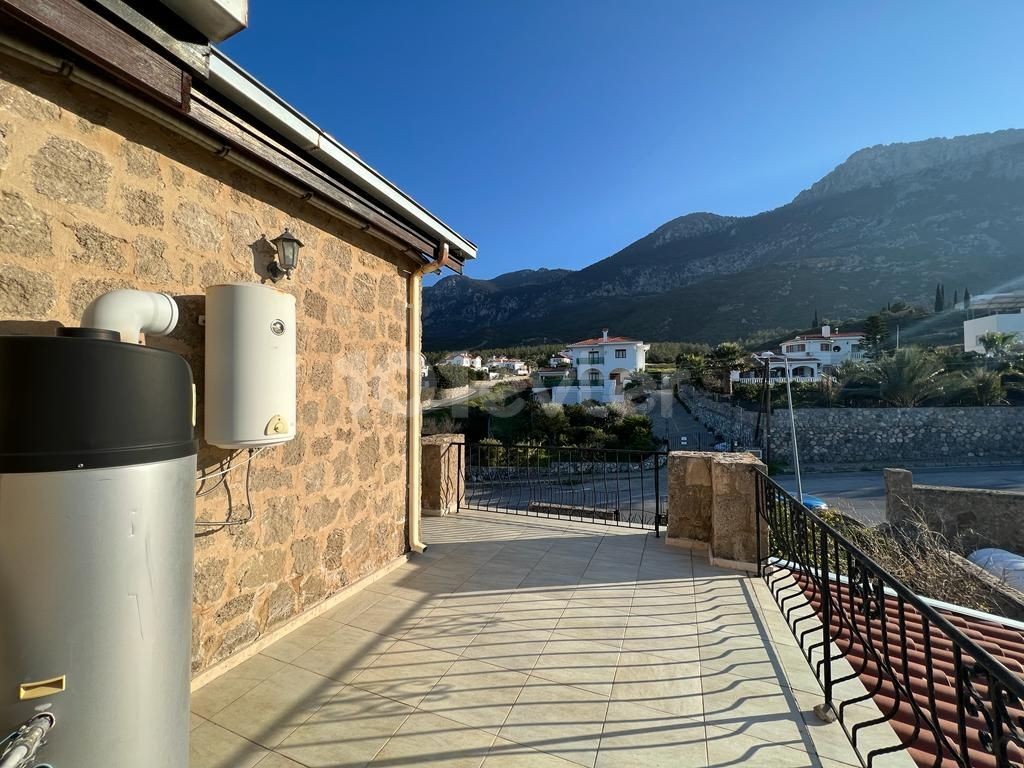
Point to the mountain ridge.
(887, 223)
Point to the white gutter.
(230, 80)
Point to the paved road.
(862, 494)
(671, 420)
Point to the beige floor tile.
(581, 663)
(426, 739)
(392, 617)
(678, 642)
(344, 654)
(603, 625)
(507, 645)
(659, 683)
(406, 672)
(274, 760)
(476, 694)
(195, 721)
(638, 737)
(278, 705)
(508, 754)
(729, 748)
(211, 746)
(347, 731)
(535, 614)
(221, 691)
(765, 710)
(353, 606)
(447, 632)
(557, 719)
(297, 642)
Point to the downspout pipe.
(130, 312)
(415, 420)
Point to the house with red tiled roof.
(600, 369)
(808, 356)
(830, 348)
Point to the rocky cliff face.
(886, 224)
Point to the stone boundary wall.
(978, 516)
(734, 423)
(854, 438)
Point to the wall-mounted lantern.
(287, 246)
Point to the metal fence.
(613, 487)
(949, 701)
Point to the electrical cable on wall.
(248, 496)
(253, 453)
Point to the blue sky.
(555, 132)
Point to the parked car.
(815, 503)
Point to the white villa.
(465, 359)
(977, 327)
(560, 361)
(508, 365)
(809, 356)
(599, 369)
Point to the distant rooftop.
(602, 340)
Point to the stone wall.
(977, 517)
(854, 438)
(93, 197)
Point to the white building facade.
(809, 356)
(977, 327)
(465, 359)
(508, 365)
(602, 367)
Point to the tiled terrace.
(518, 641)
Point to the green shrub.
(451, 376)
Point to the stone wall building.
(105, 184)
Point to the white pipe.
(130, 312)
(415, 420)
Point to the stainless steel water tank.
(97, 499)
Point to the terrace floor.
(518, 641)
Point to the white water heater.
(250, 366)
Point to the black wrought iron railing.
(613, 487)
(869, 639)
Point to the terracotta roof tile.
(860, 643)
(601, 340)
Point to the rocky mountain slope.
(888, 223)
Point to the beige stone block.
(443, 479)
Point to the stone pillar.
(689, 499)
(899, 494)
(712, 506)
(734, 512)
(443, 475)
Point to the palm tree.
(695, 365)
(999, 345)
(981, 387)
(908, 377)
(831, 385)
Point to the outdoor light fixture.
(287, 246)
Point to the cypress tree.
(967, 298)
(815, 324)
(875, 333)
(938, 297)
(955, 299)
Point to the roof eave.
(234, 83)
